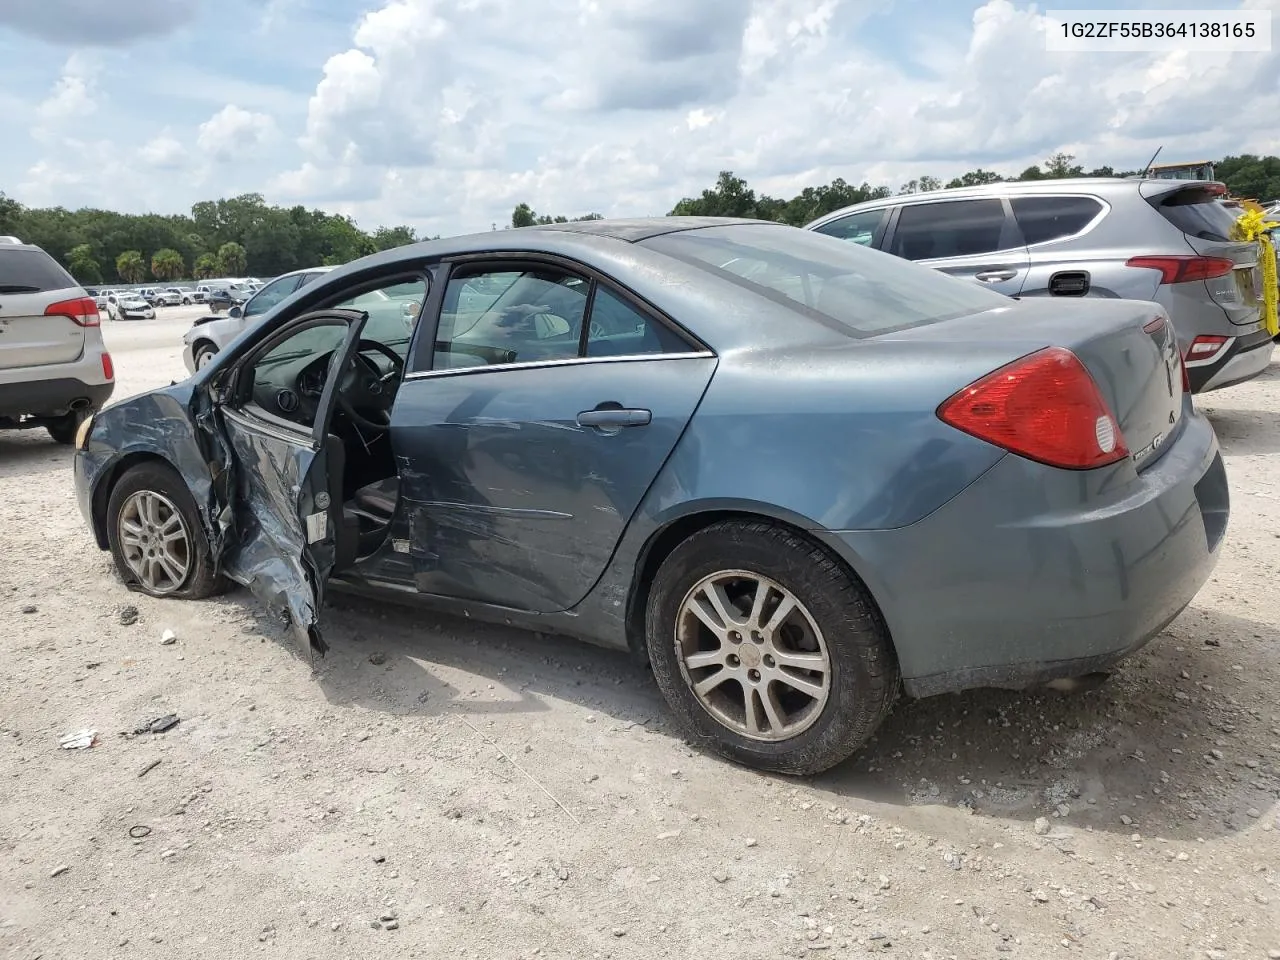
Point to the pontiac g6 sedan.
(796, 475)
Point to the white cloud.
(164, 153)
(96, 22)
(72, 99)
(234, 133)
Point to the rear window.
(31, 271)
(1042, 219)
(1198, 212)
(861, 291)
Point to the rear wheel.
(156, 536)
(63, 430)
(767, 649)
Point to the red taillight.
(81, 310)
(108, 368)
(1153, 326)
(1045, 407)
(1179, 269)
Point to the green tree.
(524, 216)
(131, 266)
(922, 185)
(83, 265)
(232, 259)
(975, 178)
(730, 197)
(1060, 167)
(1250, 176)
(387, 238)
(167, 264)
(205, 267)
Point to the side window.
(498, 317)
(270, 295)
(617, 329)
(288, 379)
(1042, 219)
(954, 228)
(856, 228)
(393, 312)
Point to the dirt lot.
(445, 789)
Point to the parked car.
(184, 295)
(210, 334)
(131, 306)
(1148, 239)
(54, 368)
(787, 470)
(166, 298)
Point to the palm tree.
(131, 267)
(205, 267)
(233, 259)
(167, 264)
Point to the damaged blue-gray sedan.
(796, 475)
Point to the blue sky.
(446, 113)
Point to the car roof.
(1103, 186)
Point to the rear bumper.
(1243, 360)
(1033, 574)
(51, 398)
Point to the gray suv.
(54, 368)
(1138, 239)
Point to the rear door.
(974, 239)
(530, 428)
(31, 282)
(288, 466)
(1197, 210)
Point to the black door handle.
(614, 417)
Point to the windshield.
(865, 292)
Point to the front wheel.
(203, 354)
(63, 430)
(156, 537)
(767, 649)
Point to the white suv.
(54, 368)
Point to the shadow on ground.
(32, 452)
(1245, 433)
(1175, 744)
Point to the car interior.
(288, 382)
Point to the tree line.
(247, 236)
(232, 237)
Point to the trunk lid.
(1199, 211)
(31, 280)
(1128, 346)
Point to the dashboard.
(290, 386)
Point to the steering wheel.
(373, 389)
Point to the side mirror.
(235, 313)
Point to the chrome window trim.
(563, 362)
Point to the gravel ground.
(442, 788)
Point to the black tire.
(864, 670)
(201, 581)
(63, 430)
(203, 349)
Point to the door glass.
(1042, 219)
(955, 228)
(270, 295)
(393, 313)
(500, 317)
(619, 329)
(856, 228)
(290, 377)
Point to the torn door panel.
(269, 555)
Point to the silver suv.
(54, 368)
(1138, 239)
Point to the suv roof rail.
(8, 239)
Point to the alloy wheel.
(155, 541)
(752, 655)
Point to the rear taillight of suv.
(81, 310)
(1206, 348)
(1180, 269)
(1045, 407)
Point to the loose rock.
(128, 615)
(1041, 826)
(168, 638)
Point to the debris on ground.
(168, 638)
(149, 767)
(59, 871)
(80, 740)
(128, 615)
(158, 725)
(377, 659)
(29, 608)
